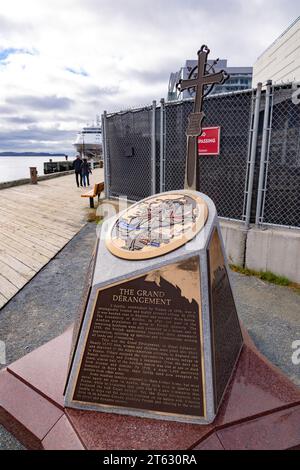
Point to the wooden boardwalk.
(36, 222)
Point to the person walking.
(85, 171)
(77, 167)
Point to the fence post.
(105, 155)
(251, 162)
(262, 167)
(153, 149)
(162, 147)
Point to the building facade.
(280, 62)
(240, 79)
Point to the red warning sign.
(209, 141)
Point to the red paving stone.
(260, 401)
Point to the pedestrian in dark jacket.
(77, 167)
(85, 171)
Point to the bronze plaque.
(194, 128)
(157, 225)
(226, 333)
(143, 348)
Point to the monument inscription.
(143, 347)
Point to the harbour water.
(16, 168)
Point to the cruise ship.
(89, 142)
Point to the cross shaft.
(195, 119)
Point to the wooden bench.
(98, 188)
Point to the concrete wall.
(276, 250)
(234, 236)
(263, 249)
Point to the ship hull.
(89, 150)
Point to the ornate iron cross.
(194, 128)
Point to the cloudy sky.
(64, 61)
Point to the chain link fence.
(222, 177)
(256, 177)
(281, 201)
(176, 119)
(128, 153)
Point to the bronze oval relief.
(157, 225)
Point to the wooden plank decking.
(36, 222)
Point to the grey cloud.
(233, 28)
(159, 14)
(27, 146)
(36, 133)
(9, 26)
(96, 106)
(5, 24)
(21, 119)
(36, 138)
(6, 109)
(141, 9)
(41, 102)
(154, 76)
(166, 32)
(96, 91)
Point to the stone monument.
(160, 336)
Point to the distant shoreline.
(31, 154)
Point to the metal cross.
(194, 128)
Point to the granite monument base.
(260, 410)
(159, 335)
